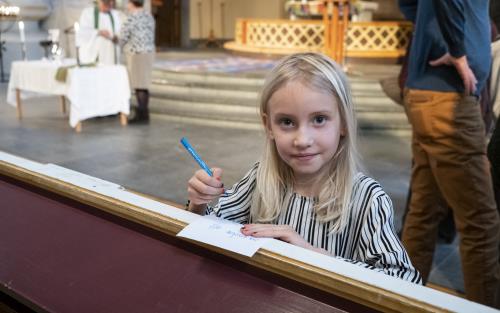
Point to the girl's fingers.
(203, 176)
(265, 230)
(203, 188)
(217, 172)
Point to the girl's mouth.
(304, 156)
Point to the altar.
(92, 91)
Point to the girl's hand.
(282, 232)
(203, 189)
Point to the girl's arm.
(380, 248)
(285, 233)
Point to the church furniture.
(72, 242)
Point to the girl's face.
(306, 126)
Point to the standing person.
(97, 36)
(449, 64)
(137, 39)
(494, 144)
(306, 189)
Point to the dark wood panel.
(65, 256)
(168, 23)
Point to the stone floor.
(151, 160)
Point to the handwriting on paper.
(223, 234)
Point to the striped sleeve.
(379, 247)
(235, 204)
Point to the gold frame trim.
(330, 282)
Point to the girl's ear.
(343, 131)
(267, 126)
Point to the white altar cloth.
(92, 91)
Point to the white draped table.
(92, 91)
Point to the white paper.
(223, 234)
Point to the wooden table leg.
(123, 119)
(78, 127)
(63, 105)
(18, 104)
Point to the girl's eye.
(320, 120)
(286, 122)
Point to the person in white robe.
(97, 35)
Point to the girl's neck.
(308, 187)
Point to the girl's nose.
(303, 139)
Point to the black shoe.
(140, 117)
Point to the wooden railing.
(335, 21)
(362, 39)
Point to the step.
(237, 113)
(205, 110)
(233, 99)
(381, 120)
(199, 94)
(208, 78)
(225, 81)
(362, 100)
(373, 90)
(377, 104)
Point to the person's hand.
(463, 69)
(282, 232)
(203, 189)
(104, 33)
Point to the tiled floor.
(151, 160)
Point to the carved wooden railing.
(335, 21)
(362, 39)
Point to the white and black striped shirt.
(368, 239)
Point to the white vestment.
(93, 47)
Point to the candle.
(77, 29)
(21, 31)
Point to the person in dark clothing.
(448, 67)
(494, 144)
(494, 157)
(495, 12)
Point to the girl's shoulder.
(250, 176)
(366, 187)
(253, 170)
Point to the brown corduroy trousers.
(449, 152)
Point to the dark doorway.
(167, 14)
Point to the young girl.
(306, 188)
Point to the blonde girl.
(307, 189)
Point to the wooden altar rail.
(335, 21)
(279, 36)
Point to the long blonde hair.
(274, 182)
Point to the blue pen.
(197, 158)
(195, 155)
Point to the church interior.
(94, 201)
